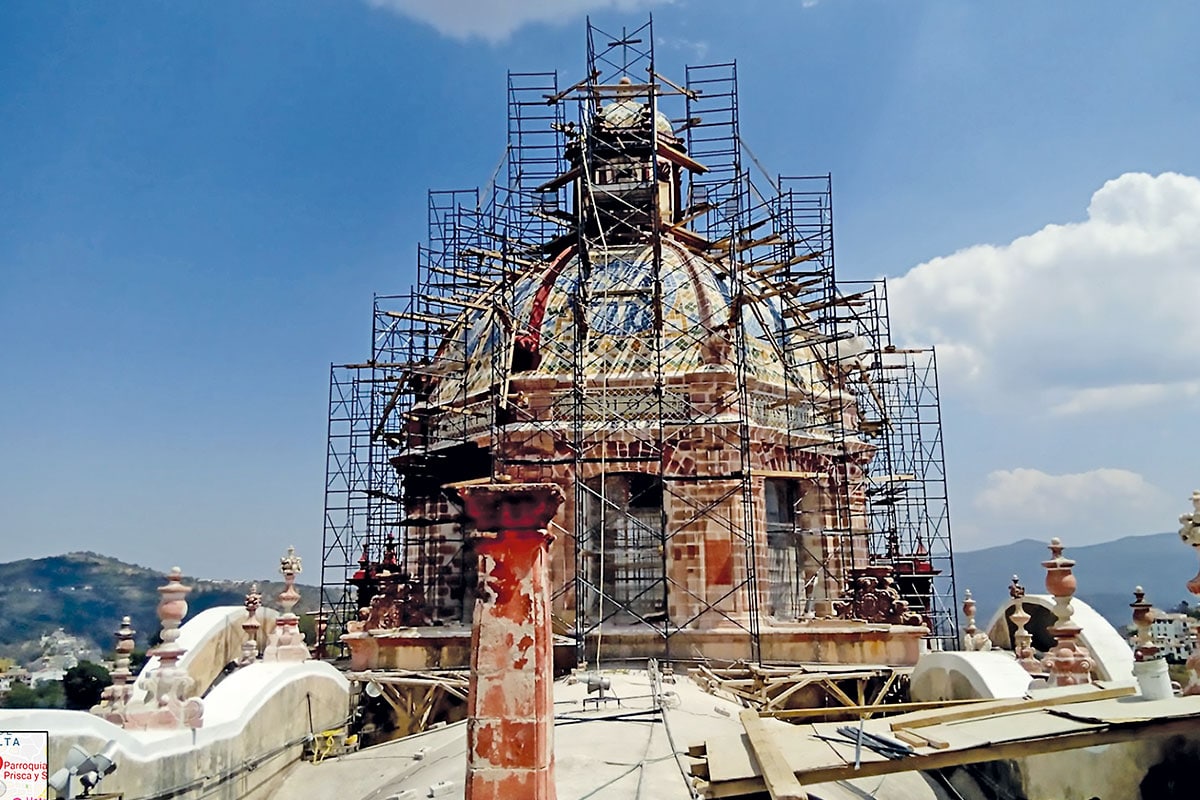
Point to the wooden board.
(777, 775)
(1078, 694)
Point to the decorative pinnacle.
(253, 600)
(291, 563)
(1143, 618)
(124, 649)
(1056, 556)
(172, 608)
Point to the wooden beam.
(920, 739)
(775, 267)
(883, 708)
(1003, 751)
(689, 93)
(562, 180)
(786, 473)
(692, 213)
(777, 775)
(678, 157)
(923, 719)
(504, 258)
(551, 99)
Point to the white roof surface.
(603, 751)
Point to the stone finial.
(251, 626)
(1143, 618)
(1190, 534)
(124, 649)
(1069, 661)
(973, 638)
(172, 608)
(1149, 665)
(289, 567)
(115, 697)
(168, 685)
(286, 642)
(1022, 638)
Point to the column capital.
(511, 507)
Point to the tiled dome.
(696, 307)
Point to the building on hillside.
(1174, 634)
(60, 652)
(12, 676)
(752, 468)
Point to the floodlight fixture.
(90, 769)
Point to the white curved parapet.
(256, 721)
(968, 675)
(211, 639)
(1112, 658)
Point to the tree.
(83, 685)
(48, 694)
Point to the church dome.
(537, 334)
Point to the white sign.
(23, 765)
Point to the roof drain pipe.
(510, 723)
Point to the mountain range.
(86, 595)
(1107, 573)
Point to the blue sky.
(199, 200)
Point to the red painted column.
(510, 725)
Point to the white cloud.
(1084, 507)
(495, 20)
(1088, 316)
(695, 48)
(1040, 497)
(1123, 398)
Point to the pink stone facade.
(698, 471)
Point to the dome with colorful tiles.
(533, 327)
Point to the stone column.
(1069, 662)
(510, 723)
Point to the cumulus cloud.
(695, 48)
(1123, 398)
(1088, 507)
(1035, 495)
(1088, 316)
(495, 20)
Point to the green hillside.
(86, 594)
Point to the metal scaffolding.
(499, 365)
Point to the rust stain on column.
(510, 727)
